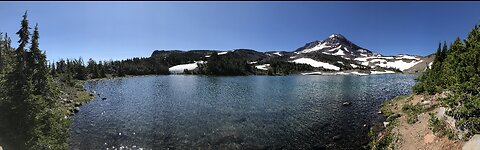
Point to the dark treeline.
(68, 70)
(455, 72)
(286, 68)
(225, 65)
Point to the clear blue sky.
(119, 30)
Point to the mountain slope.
(338, 45)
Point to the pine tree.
(444, 50)
(53, 70)
(2, 53)
(38, 65)
(120, 71)
(93, 69)
(101, 67)
(457, 70)
(79, 69)
(19, 105)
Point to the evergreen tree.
(120, 72)
(93, 69)
(102, 70)
(2, 53)
(18, 107)
(457, 70)
(38, 65)
(79, 69)
(53, 70)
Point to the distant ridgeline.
(334, 54)
(455, 72)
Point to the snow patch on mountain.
(181, 68)
(399, 64)
(339, 52)
(222, 53)
(262, 67)
(315, 63)
(382, 72)
(278, 53)
(316, 48)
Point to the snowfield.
(182, 67)
(407, 57)
(222, 53)
(382, 72)
(399, 64)
(278, 53)
(390, 62)
(335, 73)
(315, 63)
(353, 65)
(339, 52)
(316, 48)
(262, 67)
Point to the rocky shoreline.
(418, 122)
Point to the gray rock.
(425, 102)
(385, 124)
(441, 113)
(76, 109)
(473, 143)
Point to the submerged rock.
(104, 98)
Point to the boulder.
(473, 143)
(385, 124)
(76, 109)
(425, 102)
(104, 98)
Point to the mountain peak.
(336, 44)
(336, 35)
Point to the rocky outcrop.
(473, 143)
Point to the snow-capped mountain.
(338, 45)
(335, 53)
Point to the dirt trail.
(418, 136)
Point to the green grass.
(81, 95)
(412, 112)
(439, 127)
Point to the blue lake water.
(241, 112)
